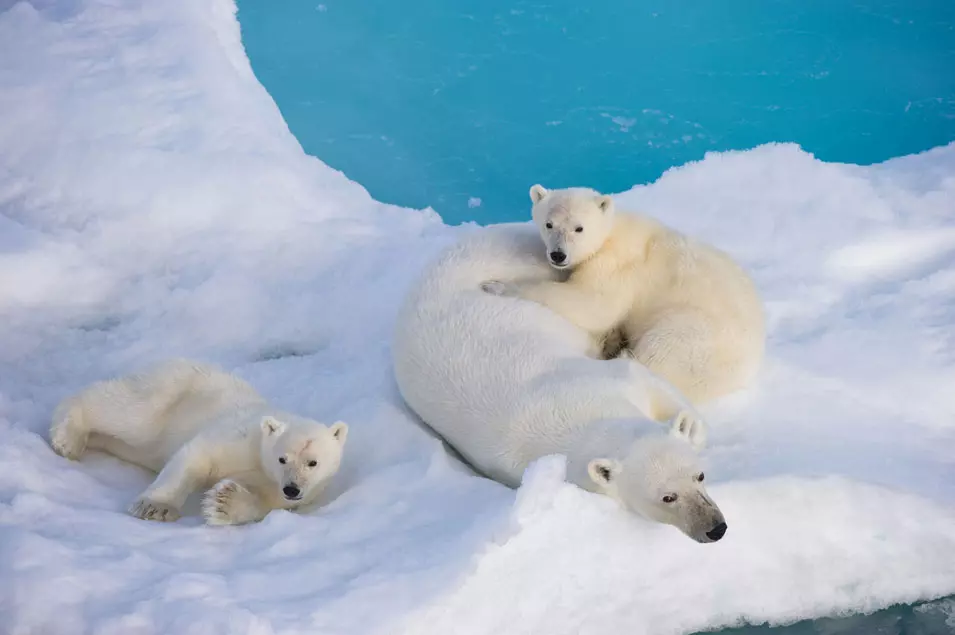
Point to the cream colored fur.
(686, 309)
(506, 381)
(199, 426)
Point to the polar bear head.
(574, 223)
(300, 455)
(660, 479)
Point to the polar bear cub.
(684, 309)
(199, 426)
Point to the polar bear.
(683, 308)
(197, 426)
(505, 382)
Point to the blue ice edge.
(922, 618)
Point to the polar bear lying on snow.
(686, 310)
(506, 381)
(197, 426)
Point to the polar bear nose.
(557, 257)
(292, 491)
(717, 532)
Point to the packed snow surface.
(153, 203)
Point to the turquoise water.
(933, 618)
(452, 104)
(464, 105)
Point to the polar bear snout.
(292, 492)
(706, 522)
(717, 532)
(558, 258)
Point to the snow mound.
(796, 547)
(153, 203)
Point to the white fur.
(197, 426)
(506, 381)
(687, 310)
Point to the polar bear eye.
(669, 498)
(579, 230)
(549, 225)
(312, 463)
(700, 477)
(282, 460)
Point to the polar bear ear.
(603, 471)
(538, 192)
(605, 203)
(339, 431)
(271, 425)
(690, 427)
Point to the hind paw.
(151, 510)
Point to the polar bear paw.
(689, 426)
(496, 287)
(229, 503)
(67, 441)
(151, 510)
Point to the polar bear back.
(144, 418)
(503, 380)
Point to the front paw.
(151, 510)
(690, 427)
(228, 503)
(496, 287)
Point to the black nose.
(717, 532)
(557, 257)
(292, 491)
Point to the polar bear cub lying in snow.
(685, 309)
(199, 426)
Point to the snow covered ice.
(153, 203)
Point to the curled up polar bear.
(506, 381)
(681, 307)
(199, 426)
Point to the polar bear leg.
(678, 349)
(591, 310)
(229, 503)
(664, 403)
(69, 433)
(188, 470)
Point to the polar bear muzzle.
(702, 519)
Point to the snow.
(153, 203)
